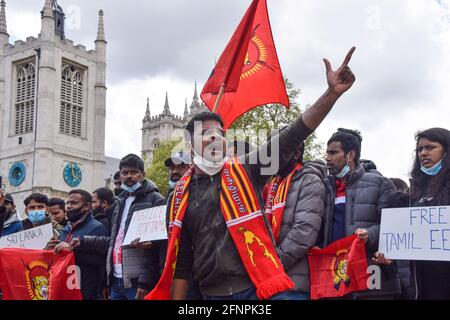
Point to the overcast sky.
(401, 63)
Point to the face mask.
(210, 168)
(74, 215)
(345, 170)
(36, 216)
(131, 189)
(434, 170)
(172, 184)
(97, 210)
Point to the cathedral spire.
(47, 11)
(101, 27)
(166, 105)
(3, 29)
(195, 92)
(186, 112)
(147, 111)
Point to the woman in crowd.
(430, 186)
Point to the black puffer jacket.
(140, 266)
(366, 195)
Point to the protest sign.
(421, 233)
(148, 225)
(35, 238)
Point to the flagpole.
(219, 97)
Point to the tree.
(157, 171)
(274, 116)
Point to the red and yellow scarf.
(277, 194)
(242, 213)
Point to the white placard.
(421, 233)
(36, 238)
(148, 225)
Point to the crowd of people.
(214, 201)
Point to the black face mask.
(75, 214)
(98, 210)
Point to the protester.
(430, 186)
(355, 201)
(82, 223)
(117, 184)
(9, 221)
(103, 205)
(296, 207)
(36, 209)
(57, 210)
(177, 165)
(207, 247)
(131, 272)
(400, 185)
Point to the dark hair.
(57, 202)
(400, 185)
(440, 190)
(132, 161)
(350, 139)
(397, 199)
(84, 194)
(37, 197)
(105, 194)
(203, 116)
(116, 175)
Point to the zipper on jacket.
(230, 286)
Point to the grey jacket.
(140, 267)
(366, 195)
(305, 206)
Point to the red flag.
(339, 269)
(38, 275)
(248, 68)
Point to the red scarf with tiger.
(241, 210)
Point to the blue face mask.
(434, 170)
(36, 216)
(131, 189)
(345, 170)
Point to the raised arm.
(339, 82)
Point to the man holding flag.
(217, 230)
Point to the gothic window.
(71, 113)
(25, 94)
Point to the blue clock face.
(17, 174)
(72, 174)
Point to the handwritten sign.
(421, 233)
(148, 225)
(35, 238)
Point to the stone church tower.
(52, 109)
(166, 126)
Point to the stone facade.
(52, 108)
(166, 126)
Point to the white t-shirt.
(117, 252)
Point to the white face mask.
(208, 167)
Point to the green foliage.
(274, 116)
